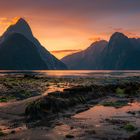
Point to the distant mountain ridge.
(85, 59)
(120, 53)
(22, 29)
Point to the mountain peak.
(118, 35)
(99, 42)
(97, 45)
(21, 21)
(21, 26)
(19, 35)
(119, 40)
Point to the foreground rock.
(57, 102)
(96, 109)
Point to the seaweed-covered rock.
(57, 102)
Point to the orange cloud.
(5, 22)
(14, 20)
(61, 53)
(129, 33)
(3, 18)
(95, 39)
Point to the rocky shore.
(58, 108)
(57, 102)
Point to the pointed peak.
(20, 26)
(21, 21)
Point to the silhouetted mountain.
(18, 53)
(136, 43)
(121, 53)
(87, 59)
(22, 28)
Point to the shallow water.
(74, 73)
(96, 116)
(94, 120)
(83, 125)
(99, 112)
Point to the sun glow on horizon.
(15, 20)
(55, 38)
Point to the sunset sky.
(68, 26)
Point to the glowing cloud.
(61, 53)
(14, 20)
(69, 24)
(6, 22)
(95, 39)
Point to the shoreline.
(102, 89)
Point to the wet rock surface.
(57, 102)
(90, 109)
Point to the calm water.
(74, 73)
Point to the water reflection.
(73, 73)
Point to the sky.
(68, 26)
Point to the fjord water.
(74, 73)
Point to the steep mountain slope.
(121, 53)
(24, 29)
(16, 55)
(87, 59)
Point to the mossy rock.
(129, 127)
(2, 134)
(116, 104)
(120, 92)
(6, 99)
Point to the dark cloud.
(83, 7)
(56, 11)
